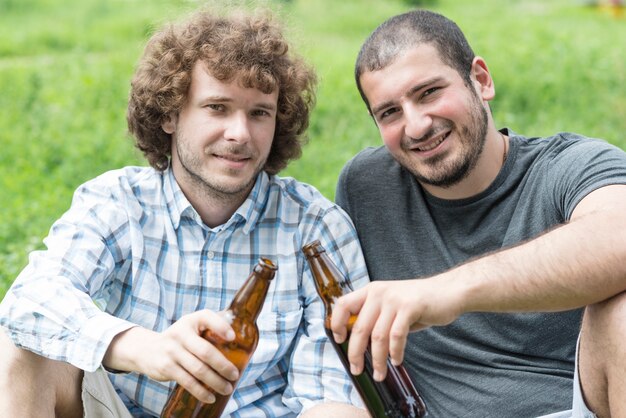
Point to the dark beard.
(454, 172)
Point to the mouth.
(432, 143)
(232, 161)
(235, 158)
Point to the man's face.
(429, 119)
(222, 137)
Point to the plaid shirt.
(134, 245)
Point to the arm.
(179, 353)
(50, 308)
(576, 264)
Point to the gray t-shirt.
(483, 364)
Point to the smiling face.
(431, 121)
(221, 138)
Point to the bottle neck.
(248, 301)
(331, 284)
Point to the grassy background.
(65, 67)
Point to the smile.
(233, 158)
(432, 145)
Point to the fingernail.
(337, 338)
(378, 376)
(210, 398)
(228, 316)
(234, 375)
(354, 370)
(230, 335)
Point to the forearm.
(571, 266)
(122, 352)
(56, 321)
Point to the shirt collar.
(249, 212)
(177, 203)
(251, 209)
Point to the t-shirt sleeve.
(582, 167)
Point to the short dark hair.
(249, 47)
(408, 30)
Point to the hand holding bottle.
(390, 395)
(238, 347)
(179, 353)
(387, 311)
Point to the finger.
(360, 334)
(380, 343)
(206, 375)
(217, 322)
(344, 308)
(192, 385)
(398, 337)
(207, 348)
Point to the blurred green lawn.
(65, 67)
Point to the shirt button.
(210, 255)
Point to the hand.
(388, 311)
(179, 353)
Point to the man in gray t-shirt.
(491, 243)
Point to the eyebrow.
(226, 99)
(266, 106)
(410, 92)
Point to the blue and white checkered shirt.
(133, 244)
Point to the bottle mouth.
(313, 248)
(267, 263)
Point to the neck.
(214, 207)
(215, 212)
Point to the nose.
(417, 122)
(237, 128)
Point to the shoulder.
(369, 168)
(298, 205)
(132, 180)
(563, 152)
(371, 158)
(293, 194)
(125, 192)
(124, 178)
(586, 147)
(372, 174)
(565, 145)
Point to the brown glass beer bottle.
(245, 309)
(395, 396)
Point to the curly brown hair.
(249, 47)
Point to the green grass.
(65, 67)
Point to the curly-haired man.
(107, 319)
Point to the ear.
(169, 125)
(480, 73)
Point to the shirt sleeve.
(315, 373)
(51, 307)
(582, 166)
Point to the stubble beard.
(446, 174)
(192, 167)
